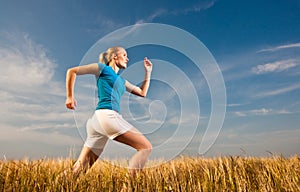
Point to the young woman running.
(106, 121)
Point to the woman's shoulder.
(101, 65)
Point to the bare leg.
(137, 140)
(86, 156)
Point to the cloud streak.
(277, 66)
(201, 5)
(259, 112)
(279, 91)
(278, 48)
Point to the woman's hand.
(71, 103)
(147, 65)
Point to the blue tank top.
(110, 88)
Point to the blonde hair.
(106, 57)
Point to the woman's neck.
(114, 67)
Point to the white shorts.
(104, 124)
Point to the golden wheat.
(183, 174)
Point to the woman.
(106, 121)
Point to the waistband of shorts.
(108, 110)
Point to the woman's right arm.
(71, 77)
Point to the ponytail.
(103, 58)
(106, 57)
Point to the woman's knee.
(147, 146)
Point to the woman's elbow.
(72, 70)
(143, 94)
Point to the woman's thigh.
(135, 139)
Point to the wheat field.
(275, 173)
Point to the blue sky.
(255, 43)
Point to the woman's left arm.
(143, 89)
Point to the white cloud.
(233, 104)
(201, 5)
(25, 63)
(31, 99)
(279, 91)
(155, 14)
(294, 45)
(104, 25)
(261, 111)
(240, 113)
(274, 67)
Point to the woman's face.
(122, 59)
